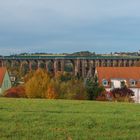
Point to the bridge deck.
(68, 57)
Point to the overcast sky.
(69, 25)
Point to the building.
(5, 82)
(116, 77)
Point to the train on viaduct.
(82, 65)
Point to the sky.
(65, 26)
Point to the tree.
(63, 76)
(28, 76)
(36, 86)
(53, 90)
(93, 88)
(73, 89)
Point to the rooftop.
(127, 73)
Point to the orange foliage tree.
(50, 94)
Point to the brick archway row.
(83, 67)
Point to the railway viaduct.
(81, 65)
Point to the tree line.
(41, 84)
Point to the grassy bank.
(28, 119)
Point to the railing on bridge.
(96, 57)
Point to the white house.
(116, 77)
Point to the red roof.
(127, 73)
(2, 74)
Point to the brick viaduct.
(83, 66)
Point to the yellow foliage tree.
(37, 85)
(41, 85)
(58, 75)
(28, 76)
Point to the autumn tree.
(37, 86)
(63, 76)
(53, 90)
(28, 76)
(73, 89)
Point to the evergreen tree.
(93, 88)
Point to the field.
(28, 119)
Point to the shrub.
(123, 94)
(103, 96)
(15, 92)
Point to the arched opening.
(42, 65)
(24, 68)
(69, 66)
(51, 66)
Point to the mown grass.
(28, 119)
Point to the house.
(116, 77)
(5, 82)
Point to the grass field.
(26, 119)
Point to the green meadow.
(37, 119)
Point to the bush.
(103, 96)
(15, 92)
(123, 94)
